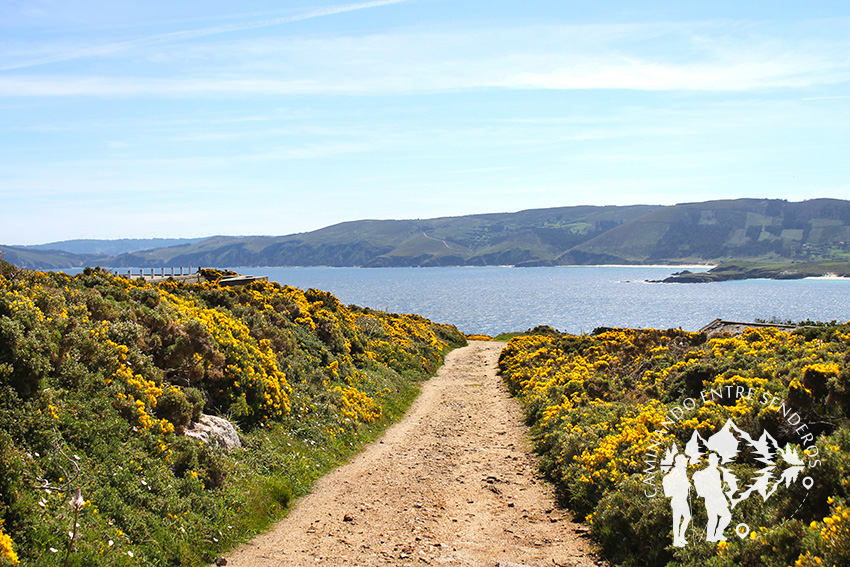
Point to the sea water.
(574, 299)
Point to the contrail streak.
(159, 39)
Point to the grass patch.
(538, 330)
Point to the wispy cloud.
(706, 57)
(69, 53)
(826, 97)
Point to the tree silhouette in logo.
(715, 483)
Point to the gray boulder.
(215, 430)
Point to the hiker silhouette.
(708, 484)
(677, 487)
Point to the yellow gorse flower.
(7, 550)
(601, 404)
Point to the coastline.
(738, 271)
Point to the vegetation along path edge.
(454, 483)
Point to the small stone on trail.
(348, 518)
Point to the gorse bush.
(601, 405)
(100, 375)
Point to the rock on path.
(454, 483)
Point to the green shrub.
(629, 526)
(98, 375)
(594, 403)
(196, 402)
(174, 407)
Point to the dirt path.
(454, 484)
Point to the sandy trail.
(454, 483)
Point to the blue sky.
(181, 119)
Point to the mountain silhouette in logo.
(729, 442)
(764, 449)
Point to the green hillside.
(715, 231)
(722, 230)
(46, 259)
(527, 237)
(112, 247)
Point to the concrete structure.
(736, 328)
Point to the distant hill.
(46, 259)
(80, 253)
(532, 237)
(112, 247)
(726, 230)
(714, 231)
